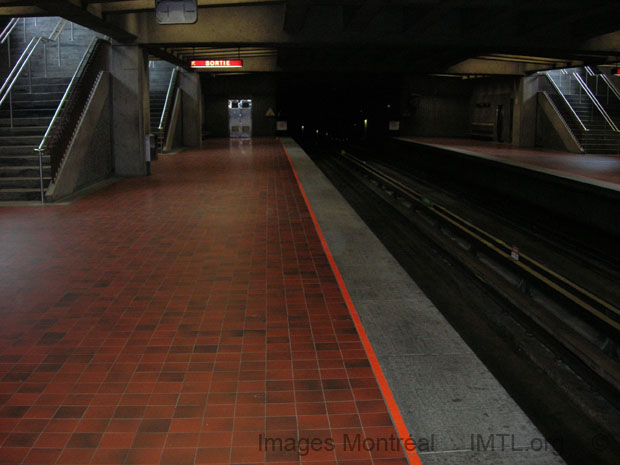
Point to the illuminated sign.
(217, 63)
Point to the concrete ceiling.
(468, 37)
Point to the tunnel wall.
(435, 107)
(487, 95)
(217, 90)
(452, 107)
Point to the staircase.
(34, 101)
(576, 86)
(159, 79)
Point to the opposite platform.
(599, 170)
(180, 319)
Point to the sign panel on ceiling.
(176, 11)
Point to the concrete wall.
(435, 107)
(551, 130)
(89, 155)
(524, 120)
(130, 104)
(451, 107)
(487, 96)
(191, 112)
(546, 135)
(261, 88)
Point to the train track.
(583, 302)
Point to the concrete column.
(189, 83)
(524, 119)
(130, 109)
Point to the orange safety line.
(397, 418)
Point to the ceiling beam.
(167, 56)
(120, 6)
(359, 17)
(87, 16)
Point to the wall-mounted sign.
(282, 125)
(217, 63)
(176, 11)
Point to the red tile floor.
(173, 319)
(604, 168)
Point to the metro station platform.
(599, 170)
(182, 318)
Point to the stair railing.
(24, 59)
(168, 102)
(610, 85)
(610, 88)
(596, 103)
(164, 120)
(58, 135)
(570, 107)
(4, 35)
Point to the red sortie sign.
(217, 63)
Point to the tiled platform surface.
(600, 170)
(173, 319)
(445, 394)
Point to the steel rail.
(577, 294)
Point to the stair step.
(27, 122)
(23, 160)
(23, 182)
(17, 195)
(39, 88)
(35, 104)
(42, 80)
(17, 149)
(22, 171)
(27, 97)
(19, 140)
(23, 131)
(28, 113)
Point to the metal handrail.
(58, 28)
(596, 103)
(167, 102)
(41, 147)
(583, 126)
(605, 78)
(8, 29)
(18, 68)
(24, 59)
